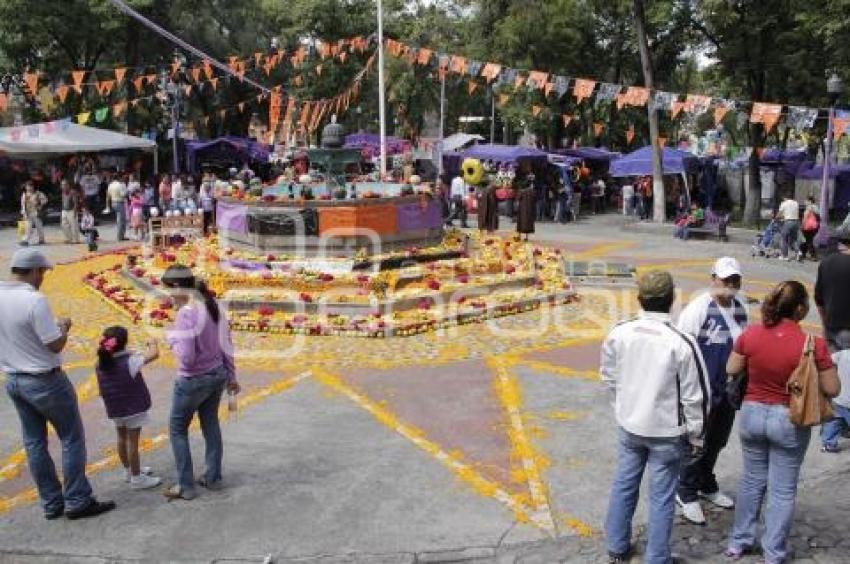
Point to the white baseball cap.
(726, 267)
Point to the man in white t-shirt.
(790, 212)
(715, 319)
(458, 192)
(90, 183)
(116, 198)
(41, 392)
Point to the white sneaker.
(144, 470)
(719, 499)
(144, 482)
(691, 511)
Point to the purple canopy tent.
(228, 148)
(838, 172)
(505, 154)
(639, 163)
(370, 144)
(590, 153)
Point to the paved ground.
(489, 443)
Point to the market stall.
(225, 152)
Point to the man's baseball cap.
(656, 284)
(29, 258)
(726, 267)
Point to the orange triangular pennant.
(62, 93)
(597, 128)
(106, 87)
(548, 88)
(241, 106)
(343, 56)
(537, 79)
(630, 134)
(258, 56)
(424, 56)
(138, 83)
(4, 101)
(519, 81)
(471, 87)
(119, 74)
(31, 80)
(208, 70)
(196, 74)
(566, 118)
(187, 90)
(583, 89)
(77, 76)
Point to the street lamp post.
(834, 87)
(172, 91)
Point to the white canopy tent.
(53, 138)
(459, 141)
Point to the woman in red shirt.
(773, 447)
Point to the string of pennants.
(308, 113)
(107, 81)
(582, 89)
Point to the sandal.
(176, 492)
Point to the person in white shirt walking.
(661, 402)
(41, 392)
(458, 194)
(789, 209)
(715, 319)
(116, 198)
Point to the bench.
(714, 224)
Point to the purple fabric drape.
(232, 217)
(412, 217)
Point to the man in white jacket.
(661, 401)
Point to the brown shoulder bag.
(807, 406)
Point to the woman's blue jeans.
(201, 394)
(773, 449)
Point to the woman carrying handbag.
(776, 355)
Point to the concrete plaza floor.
(486, 443)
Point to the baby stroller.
(768, 243)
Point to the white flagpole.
(381, 94)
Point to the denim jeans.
(832, 429)
(773, 450)
(663, 456)
(121, 221)
(52, 398)
(790, 237)
(201, 394)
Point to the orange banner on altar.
(350, 221)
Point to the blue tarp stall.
(639, 163)
(225, 150)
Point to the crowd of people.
(678, 386)
(42, 393)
